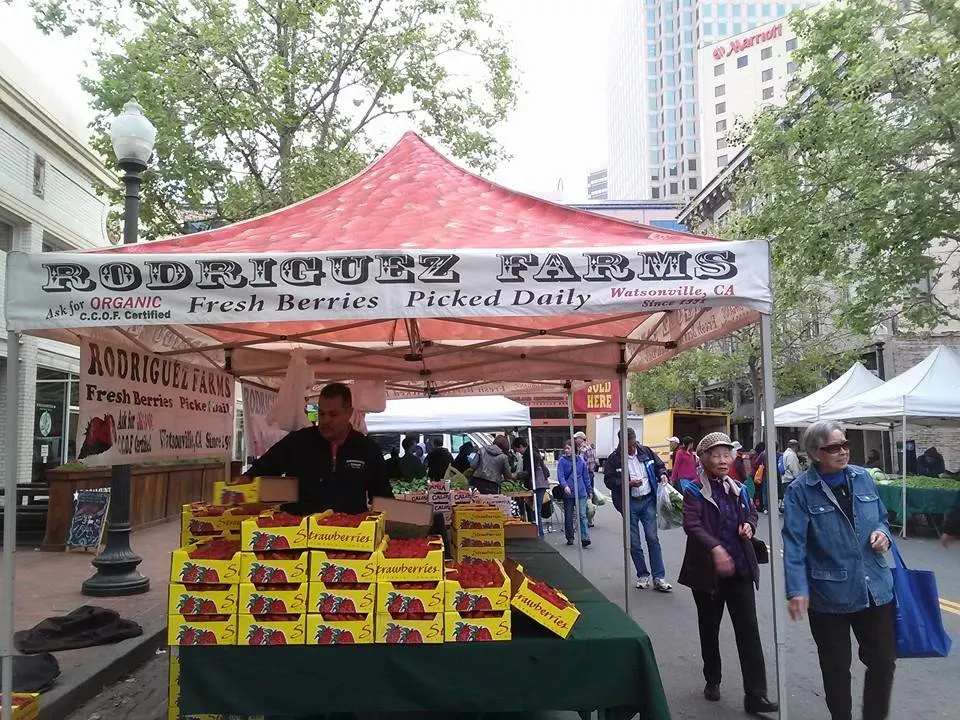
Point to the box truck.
(606, 433)
(659, 427)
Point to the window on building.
(767, 75)
(766, 53)
(692, 183)
(652, 85)
(743, 61)
(652, 33)
(652, 67)
(6, 237)
(781, 9)
(673, 171)
(765, 10)
(672, 134)
(692, 165)
(718, 70)
(654, 176)
(721, 143)
(720, 91)
(722, 10)
(722, 28)
(736, 10)
(690, 146)
(651, 16)
(721, 161)
(674, 188)
(737, 26)
(53, 244)
(720, 108)
(655, 193)
(721, 125)
(668, 44)
(708, 29)
(791, 67)
(708, 10)
(668, 25)
(791, 45)
(751, 11)
(688, 37)
(767, 93)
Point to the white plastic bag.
(668, 516)
(289, 411)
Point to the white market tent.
(927, 394)
(415, 273)
(437, 414)
(809, 409)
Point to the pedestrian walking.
(834, 535)
(539, 483)
(720, 567)
(684, 463)
(589, 455)
(645, 470)
(574, 494)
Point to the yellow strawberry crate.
(364, 538)
(398, 597)
(255, 537)
(393, 631)
(405, 569)
(336, 599)
(202, 600)
(466, 599)
(273, 599)
(203, 571)
(203, 630)
(271, 570)
(485, 535)
(236, 493)
(545, 605)
(26, 706)
(469, 627)
(487, 552)
(324, 631)
(335, 566)
(477, 517)
(271, 629)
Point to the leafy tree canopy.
(262, 103)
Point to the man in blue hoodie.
(565, 475)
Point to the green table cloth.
(522, 675)
(919, 500)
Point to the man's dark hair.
(338, 390)
(438, 442)
(408, 442)
(518, 443)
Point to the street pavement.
(926, 688)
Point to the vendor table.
(920, 501)
(532, 672)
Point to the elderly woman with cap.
(720, 566)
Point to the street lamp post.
(133, 137)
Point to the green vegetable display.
(920, 482)
(512, 486)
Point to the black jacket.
(360, 472)
(612, 475)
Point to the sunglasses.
(836, 448)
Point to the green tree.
(857, 178)
(262, 103)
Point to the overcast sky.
(557, 132)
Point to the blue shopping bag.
(919, 625)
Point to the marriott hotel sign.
(738, 45)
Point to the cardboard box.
(200, 571)
(254, 630)
(26, 706)
(477, 517)
(264, 571)
(458, 628)
(461, 497)
(460, 599)
(253, 537)
(365, 538)
(403, 518)
(240, 490)
(411, 569)
(273, 600)
(409, 632)
(202, 600)
(520, 531)
(559, 620)
(328, 567)
(339, 632)
(191, 631)
(461, 554)
(393, 597)
(335, 599)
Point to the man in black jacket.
(337, 467)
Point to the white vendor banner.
(76, 290)
(137, 407)
(259, 434)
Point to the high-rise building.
(750, 71)
(597, 184)
(652, 90)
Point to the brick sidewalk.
(48, 584)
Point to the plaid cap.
(713, 440)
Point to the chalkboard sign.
(89, 518)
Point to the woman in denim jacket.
(835, 533)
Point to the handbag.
(760, 550)
(919, 624)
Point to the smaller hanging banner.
(259, 434)
(601, 397)
(139, 407)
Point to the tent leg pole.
(903, 479)
(533, 482)
(10, 522)
(773, 519)
(578, 535)
(625, 477)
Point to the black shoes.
(586, 543)
(711, 692)
(569, 542)
(756, 704)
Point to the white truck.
(606, 434)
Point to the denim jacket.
(826, 558)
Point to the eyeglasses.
(836, 448)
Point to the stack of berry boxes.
(478, 533)
(26, 706)
(410, 590)
(341, 598)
